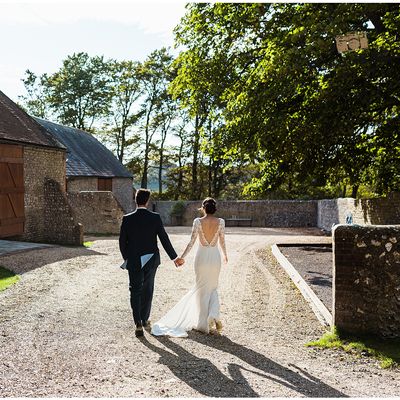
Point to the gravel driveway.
(66, 330)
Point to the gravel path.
(66, 330)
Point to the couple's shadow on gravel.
(204, 377)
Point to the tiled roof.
(17, 126)
(86, 156)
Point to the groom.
(138, 245)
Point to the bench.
(238, 221)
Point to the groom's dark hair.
(142, 196)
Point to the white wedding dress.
(201, 304)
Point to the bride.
(199, 308)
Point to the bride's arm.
(192, 239)
(222, 240)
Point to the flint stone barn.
(33, 201)
(91, 167)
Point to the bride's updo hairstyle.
(209, 205)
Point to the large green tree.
(123, 112)
(301, 112)
(78, 94)
(154, 74)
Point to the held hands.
(179, 262)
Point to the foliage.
(178, 209)
(122, 115)
(386, 351)
(35, 101)
(80, 91)
(7, 278)
(289, 101)
(259, 104)
(154, 74)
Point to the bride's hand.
(225, 260)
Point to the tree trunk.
(145, 168)
(210, 178)
(180, 174)
(147, 149)
(196, 145)
(354, 191)
(160, 166)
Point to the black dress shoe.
(139, 331)
(147, 325)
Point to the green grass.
(7, 278)
(386, 351)
(88, 244)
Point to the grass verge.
(7, 278)
(386, 351)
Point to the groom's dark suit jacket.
(138, 236)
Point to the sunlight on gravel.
(66, 329)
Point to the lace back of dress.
(202, 238)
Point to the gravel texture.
(66, 330)
(315, 265)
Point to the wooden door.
(104, 184)
(12, 215)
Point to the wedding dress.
(201, 304)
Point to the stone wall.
(98, 212)
(59, 218)
(81, 183)
(366, 279)
(271, 213)
(121, 187)
(48, 217)
(379, 211)
(123, 192)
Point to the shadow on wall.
(381, 211)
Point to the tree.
(35, 102)
(163, 119)
(291, 103)
(122, 115)
(154, 73)
(79, 93)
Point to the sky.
(38, 35)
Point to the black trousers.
(141, 286)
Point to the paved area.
(66, 330)
(315, 265)
(10, 246)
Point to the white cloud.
(151, 16)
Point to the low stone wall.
(48, 216)
(80, 183)
(366, 279)
(98, 212)
(121, 187)
(123, 192)
(379, 211)
(270, 213)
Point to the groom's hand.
(179, 262)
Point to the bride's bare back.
(209, 226)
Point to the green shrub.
(178, 209)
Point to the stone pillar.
(366, 279)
